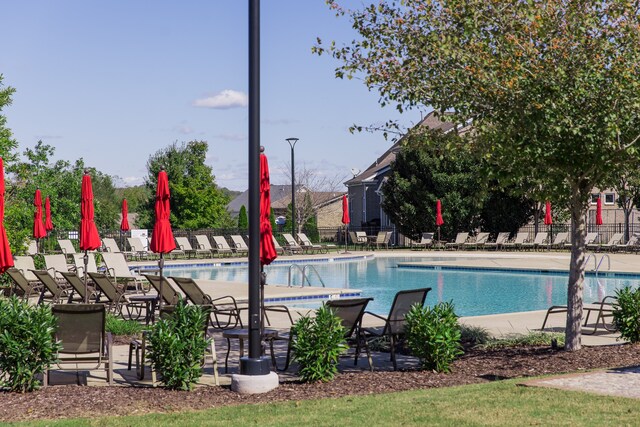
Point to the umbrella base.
(254, 384)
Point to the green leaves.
(433, 335)
(317, 343)
(626, 313)
(27, 347)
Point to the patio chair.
(613, 241)
(77, 286)
(539, 240)
(139, 347)
(560, 240)
(222, 247)
(631, 245)
(204, 244)
(590, 240)
(118, 269)
(169, 295)
(476, 243)
(350, 312)
(32, 248)
(395, 322)
(23, 286)
(185, 245)
(109, 245)
(291, 244)
(517, 241)
(224, 307)
(308, 246)
(279, 249)
(66, 246)
(26, 266)
(78, 261)
(57, 294)
(357, 241)
(238, 244)
(116, 298)
(497, 244)
(83, 338)
(56, 264)
(461, 238)
(138, 248)
(604, 310)
(381, 240)
(426, 241)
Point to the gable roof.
(277, 192)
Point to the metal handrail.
(600, 263)
(592, 255)
(291, 267)
(304, 275)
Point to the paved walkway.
(624, 382)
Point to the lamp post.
(292, 144)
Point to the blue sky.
(113, 82)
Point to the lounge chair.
(32, 248)
(56, 264)
(66, 247)
(24, 286)
(382, 240)
(308, 246)
(538, 241)
(169, 295)
(291, 244)
(279, 249)
(350, 311)
(476, 243)
(560, 240)
(138, 248)
(238, 245)
(26, 266)
(57, 294)
(78, 261)
(222, 307)
(140, 348)
(604, 310)
(613, 241)
(77, 286)
(426, 241)
(631, 245)
(222, 247)
(497, 244)
(83, 338)
(461, 238)
(590, 241)
(356, 240)
(517, 241)
(185, 245)
(118, 269)
(116, 298)
(204, 244)
(362, 236)
(395, 322)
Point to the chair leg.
(393, 352)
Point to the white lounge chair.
(461, 238)
(239, 245)
(279, 249)
(291, 244)
(222, 247)
(56, 264)
(502, 238)
(138, 248)
(517, 241)
(538, 241)
(26, 266)
(204, 244)
(426, 240)
(308, 246)
(478, 242)
(185, 246)
(560, 240)
(66, 246)
(78, 260)
(614, 240)
(118, 269)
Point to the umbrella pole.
(86, 286)
(160, 265)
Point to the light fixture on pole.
(292, 144)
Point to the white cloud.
(224, 100)
(232, 136)
(130, 181)
(183, 129)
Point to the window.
(609, 198)
(594, 198)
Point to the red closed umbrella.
(599, 212)
(162, 240)
(48, 225)
(6, 260)
(38, 226)
(89, 238)
(124, 224)
(345, 219)
(267, 248)
(439, 220)
(547, 215)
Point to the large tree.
(551, 87)
(196, 200)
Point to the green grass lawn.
(497, 403)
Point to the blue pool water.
(473, 293)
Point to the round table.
(241, 335)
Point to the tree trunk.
(627, 214)
(577, 266)
(536, 221)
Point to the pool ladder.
(597, 264)
(305, 275)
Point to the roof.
(383, 163)
(277, 193)
(320, 199)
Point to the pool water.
(473, 293)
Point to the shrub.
(626, 313)
(27, 346)
(177, 346)
(530, 339)
(118, 326)
(433, 335)
(317, 344)
(472, 336)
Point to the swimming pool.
(473, 293)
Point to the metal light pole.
(292, 144)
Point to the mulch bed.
(476, 366)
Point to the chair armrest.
(374, 315)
